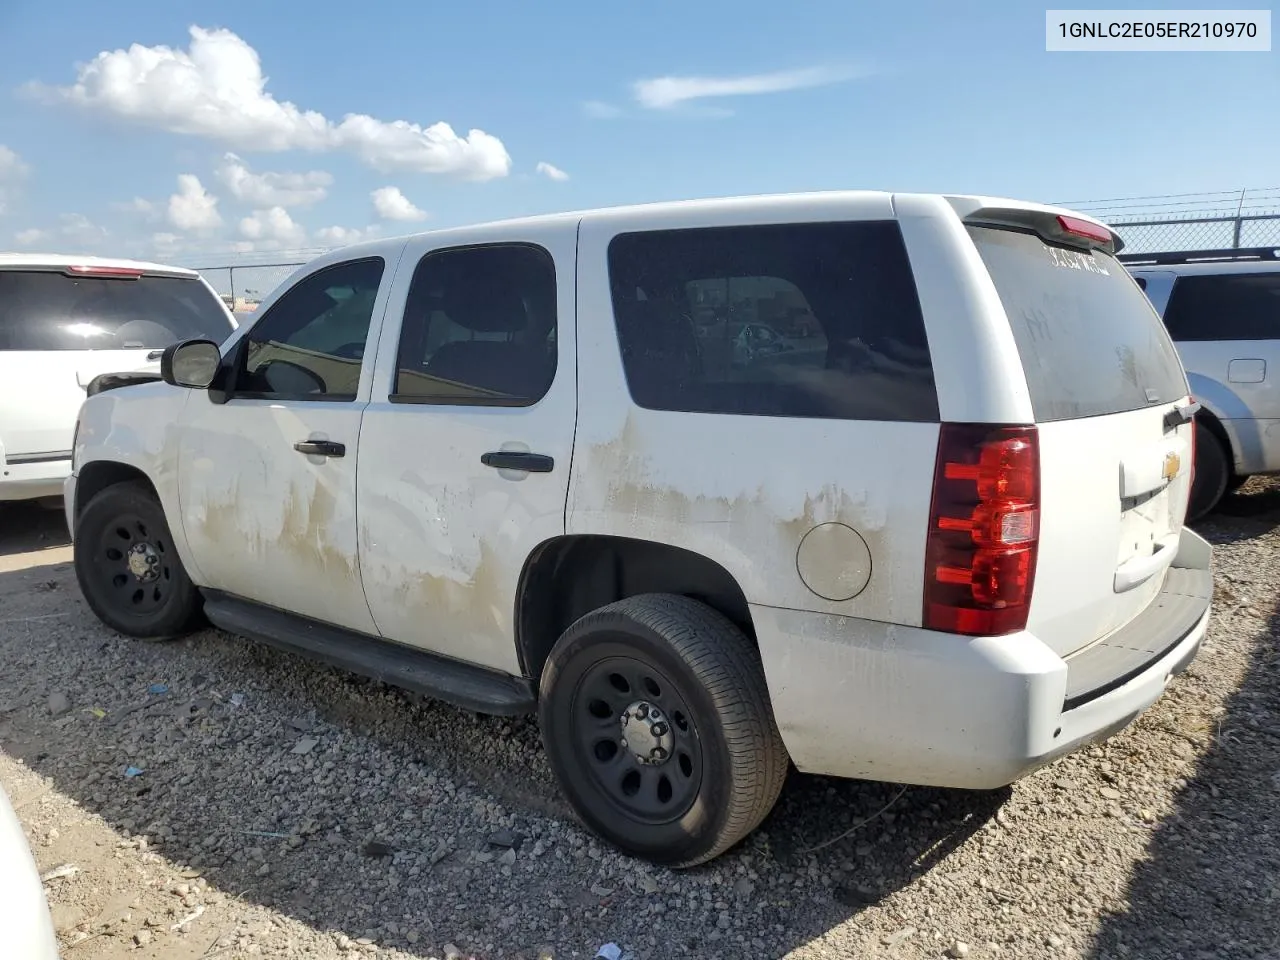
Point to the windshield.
(1091, 344)
(44, 310)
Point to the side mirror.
(191, 363)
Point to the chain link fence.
(243, 286)
(1227, 219)
(1167, 223)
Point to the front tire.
(1213, 472)
(128, 568)
(657, 723)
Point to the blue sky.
(97, 132)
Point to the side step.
(442, 678)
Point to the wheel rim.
(133, 565)
(637, 738)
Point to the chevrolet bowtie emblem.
(1171, 464)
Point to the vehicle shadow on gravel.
(385, 824)
(1251, 511)
(25, 527)
(1209, 888)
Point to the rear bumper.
(855, 698)
(32, 480)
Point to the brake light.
(92, 271)
(1191, 474)
(1077, 227)
(984, 529)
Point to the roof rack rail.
(1202, 256)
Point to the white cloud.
(29, 238)
(663, 93)
(139, 206)
(79, 229)
(193, 207)
(599, 110)
(272, 229)
(273, 189)
(391, 204)
(343, 236)
(216, 89)
(551, 172)
(12, 169)
(12, 166)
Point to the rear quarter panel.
(745, 490)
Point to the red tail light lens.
(1077, 227)
(984, 530)
(1191, 474)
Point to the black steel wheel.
(128, 568)
(632, 724)
(657, 723)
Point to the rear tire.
(1213, 472)
(128, 568)
(713, 760)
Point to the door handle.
(321, 448)
(517, 460)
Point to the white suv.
(63, 322)
(938, 542)
(1221, 308)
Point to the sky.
(205, 133)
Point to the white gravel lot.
(287, 810)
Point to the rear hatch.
(1110, 400)
(61, 327)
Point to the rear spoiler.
(1051, 225)
(110, 381)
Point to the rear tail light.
(1191, 474)
(984, 529)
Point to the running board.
(442, 678)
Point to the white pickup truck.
(498, 465)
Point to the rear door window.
(1090, 341)
(47, 310)
(1231, 306)
(789, 320)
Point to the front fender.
(137, 426)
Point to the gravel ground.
(287, 810)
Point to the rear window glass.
(43, 310)
(1090, 341)
(1231, 306)
(788, 320)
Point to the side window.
(479, 328)
(794, 320)
(1229, 306)
(310, 344)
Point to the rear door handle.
(321, 448)
(517, 460)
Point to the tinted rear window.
(52, 311)
(1231, 306)
(1090, 341)
(789, 320)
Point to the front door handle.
(321, 448)
(517, 460)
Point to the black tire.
(724, 760)
(1213, 471)
(125, 522)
